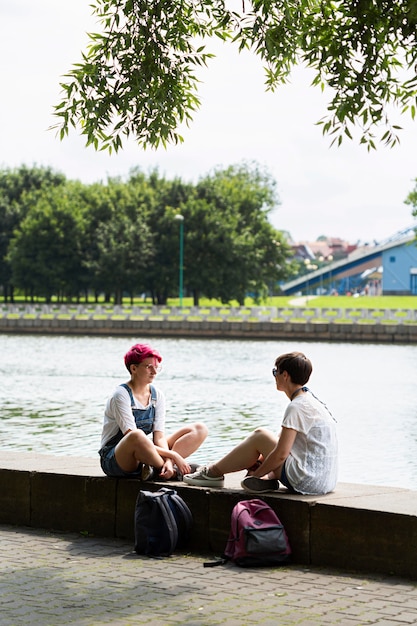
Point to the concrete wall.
(359, 527)
(298, 331)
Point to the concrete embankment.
(357, 527)
(391, 333)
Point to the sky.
(343, 192)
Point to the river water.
(53, 391)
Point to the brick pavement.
(50, 578)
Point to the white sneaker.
(200, 478)
(147, 472)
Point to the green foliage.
(364, 50)
(15, 187)
(69, 239)
(233, 247)
(118, 242)
(138, 77)
(44, 253)
(168, 197)
(412, 199)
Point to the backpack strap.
(185, 511)
(169, 520)
(222, 561)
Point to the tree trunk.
(118, 296)
(161, 298)
(196, 297)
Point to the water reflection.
(53, 390)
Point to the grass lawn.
(320, 302)
(364, 302)
(316, 302)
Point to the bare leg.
(187, 439)
(260, 442)
(136, 448)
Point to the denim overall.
(144, 419)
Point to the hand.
(167, 470)
(183, 466)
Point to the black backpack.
(162, 522)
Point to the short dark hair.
(297, 365)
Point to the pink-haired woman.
(133, 442)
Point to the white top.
(118, 413)
(311, 466)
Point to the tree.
(412, 201)
(15, 185)
(118, 241)
(231, 249)
(168, 199)
(138, 76)
(67, 239)
(45, 252)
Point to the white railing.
(234, 314)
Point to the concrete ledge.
(392, 333)
(360, 527)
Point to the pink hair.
(139, 352)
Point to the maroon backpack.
(257, 537)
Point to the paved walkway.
(55, 578)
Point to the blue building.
(397, 257)
(399, 276)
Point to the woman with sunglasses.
(135, 410)
(304, 455)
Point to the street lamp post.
(180, 218)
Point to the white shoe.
(147, 472)
(200, 478)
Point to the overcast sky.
(340, 192)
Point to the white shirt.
(118, 413)
(311, 466)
